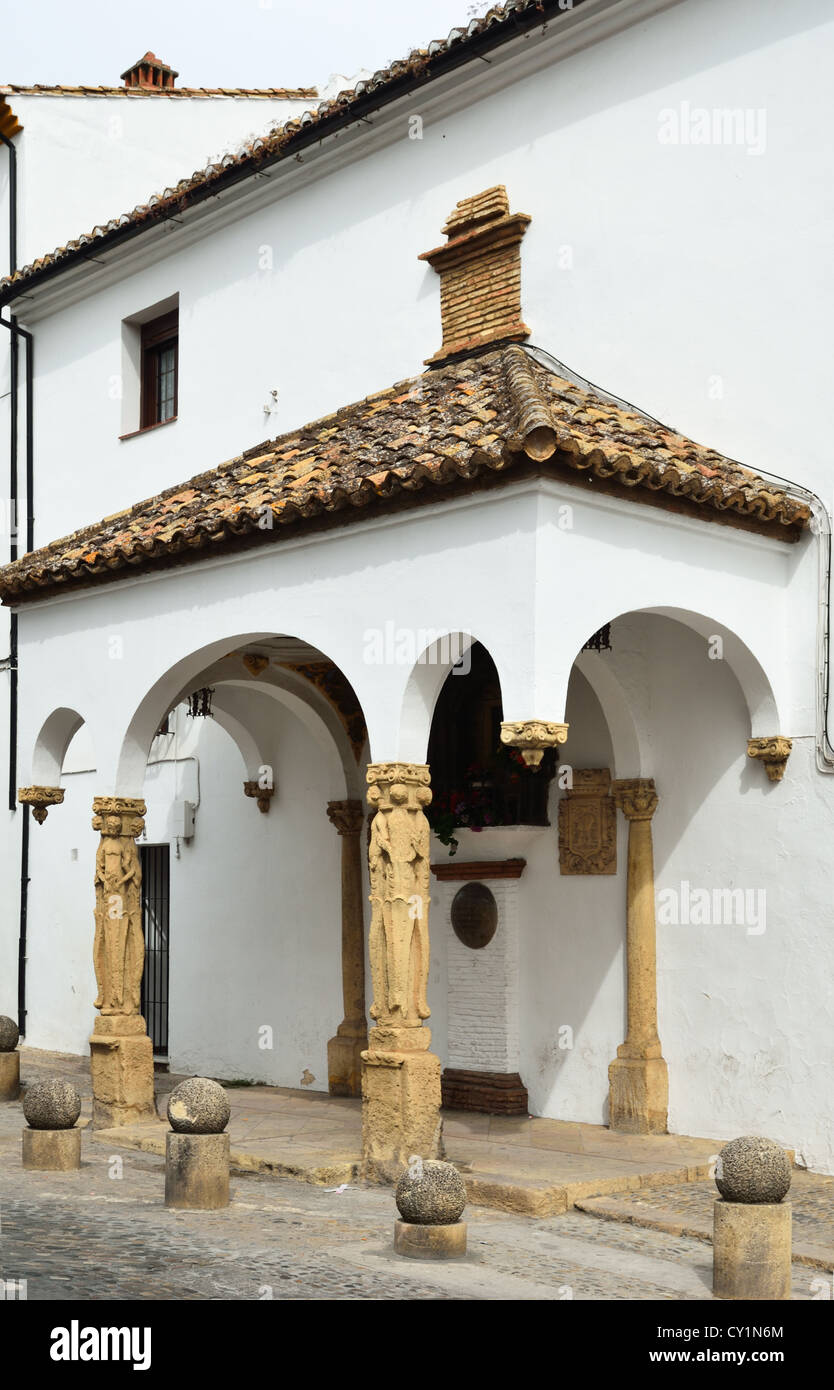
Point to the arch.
(206, 664)
(51, 744)
(422, 688)
(627, 738)
(742, 661)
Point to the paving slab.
(687, 1210)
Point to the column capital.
(533, 737)
(636, 797)
(347, 816)
(774, 752)
(40, 799)
(127, 810)
(263, 795)
(382, 778)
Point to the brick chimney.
(480, 275)
(150, 74)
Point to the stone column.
(400, 1077)
(121, 1054)
(638, 1080)
(344, 1051)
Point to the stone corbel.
(774, 753)
(532, 737)
(40, 799)
(263, 795)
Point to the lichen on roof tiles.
(389, 448)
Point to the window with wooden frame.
(160, 369)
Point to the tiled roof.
(267, 93)
(473, 423)
(499, 24)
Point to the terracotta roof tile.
(418, 435)
(505, 20)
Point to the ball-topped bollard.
(751, 1221)
(51, 1143)
(198, 1106)
(9, 1059)
(430, 1197)
(196, 1148)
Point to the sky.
(217, 43)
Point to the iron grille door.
(155, 911)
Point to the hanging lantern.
(600, 642)
(199, 703)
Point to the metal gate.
(155, 906)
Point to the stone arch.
(55, 736)
(203, 664)
(424, 684)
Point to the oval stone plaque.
(474, 915)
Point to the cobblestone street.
(96, 1235)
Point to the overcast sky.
(218, 43)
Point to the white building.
(667, 187)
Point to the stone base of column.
(52, 1150)
(9, 1075)
(121, 1063)
(400, 1106)
(196, 1171)
(751, 1250)
(344, 1060)
(430, 1242)
(638, 1091)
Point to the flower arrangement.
(478, 804)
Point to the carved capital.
(532, 737)
(40, 798)
(382, 777)
(774, 753)
(263, 795)
(347, 816)
(127, 810)
(636, 797)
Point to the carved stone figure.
(119, 947)
(399, 866)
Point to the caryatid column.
(344, 1052)
(400, 1077)
(638, 1078)
(121, 1053)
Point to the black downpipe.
(14, 352)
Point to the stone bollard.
(196, 1149)
(9, 1059)
(751, 1248)
(430, 1197)
(52, 1143)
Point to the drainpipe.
(18, 333)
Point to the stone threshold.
(510, 1192)
(699, 1227)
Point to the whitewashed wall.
(744, 1018)
(679, 276)
(84, 160)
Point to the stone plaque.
(474, 915)
(588, 825)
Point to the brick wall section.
(480, 275)
(482, 985)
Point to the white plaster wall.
(255, 926)
(660, 271)
(85, 160)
